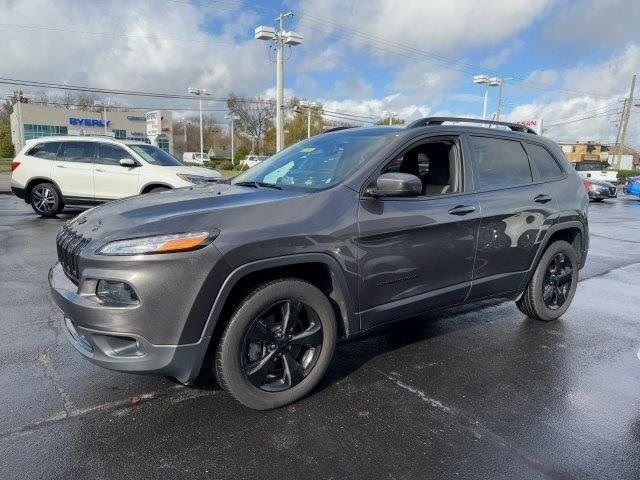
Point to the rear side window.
(47, 150)
(501, 163)
(111, 154)
(544, 162)
(79, 152)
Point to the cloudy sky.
(568, 62)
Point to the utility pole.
(199, 92)
(233, 151)
(625, 120)
(281, 38)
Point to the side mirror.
(128, 162)
(396, 184)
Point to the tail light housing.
(587, 184)
(14, 165)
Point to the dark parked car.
(598, 190)
(333, 236)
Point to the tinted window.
(544, 162)
(111, 154)
(47, 150)
(83, 152)
(501, 163)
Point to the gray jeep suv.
(257, 279)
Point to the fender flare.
(558, 227)
(351, 320)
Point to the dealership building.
(29, 121)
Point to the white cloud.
(442, 27)
(503, 55)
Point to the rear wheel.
(553, 284)
(278, 344)
(45, 200)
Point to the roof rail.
(423, 122)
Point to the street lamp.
(233, 153)
(199, 92)
(98, 103)
(308, 106)
(487, 82)
(281, 38)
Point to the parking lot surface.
(465, 393)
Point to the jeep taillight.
(14, 165)
(587, 184)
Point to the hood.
(182, 209)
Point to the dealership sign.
(534, 124)
(87, 122)
(159, 122)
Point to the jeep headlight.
(179, 242)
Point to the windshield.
(319, 162)
(155, 155)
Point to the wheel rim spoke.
(259, 333)
(560, 296)
(311, 337)
(547, 296)
(292, 369)
(290, 311)
(258, 371)
(564, 277)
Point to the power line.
(109, 34)
(590, 117)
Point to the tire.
(597, 200)
(291, 370)
(158, 189)
(46, 200)
(553, 285)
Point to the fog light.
(110, 291)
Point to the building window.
(163, 143)
(32, 131)
(120, 134)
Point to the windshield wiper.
(255, 184)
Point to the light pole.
(200, 92)
(98, 103)
(308, 106)
(281, 38)
(233, 152)
(487, 82)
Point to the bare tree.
(254, 115)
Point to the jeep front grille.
(69, 245)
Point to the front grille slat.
(69, 244)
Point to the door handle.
(98, 170)
(542, 198)
(462, 210)
(61, 166)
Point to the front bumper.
(118, 350)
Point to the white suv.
(52, 172)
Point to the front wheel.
(45, 200)
(553, 284)
(278, 344)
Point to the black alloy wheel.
(282, 345)
(557, 281)
(277, 344)
(553, 283)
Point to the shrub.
(624, 174)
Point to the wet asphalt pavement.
(470, 393)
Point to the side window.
(111, 154)
(78, 152)
(47, 151)
(435, 163)
(544, 162)
(501, 163)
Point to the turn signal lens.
(179, 242)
